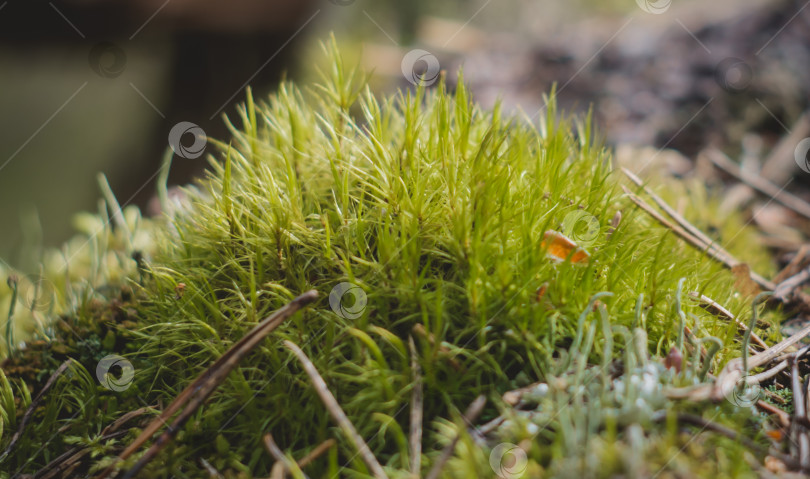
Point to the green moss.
(437, 210)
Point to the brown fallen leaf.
(742, 280)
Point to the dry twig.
(799, 431)
(717, 309)
(794, 266)
(470, 415)
(417, 399)
(784, 289)
(316, 453)
(733, 371)
(718, 254)
(706, 424)
(283, 463)
(694, 230)
(63, 465)
(337, 412)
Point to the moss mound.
(419, 218)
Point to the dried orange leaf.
(560, 247)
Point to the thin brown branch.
(65, 464)
(800, 413)
(719, 256)
(706, 424)
(417, 399)
(768, 374)
(717, 309)
(686, 225)
(316, 453)
(768, 408)
(759, 183)
(784, 289)
(337, 412)
(514, 397)
(794, 266)
(283, 465)
(198, 391)
(470, 415)
(733, 371)
(275, 451)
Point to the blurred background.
(97, 85)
